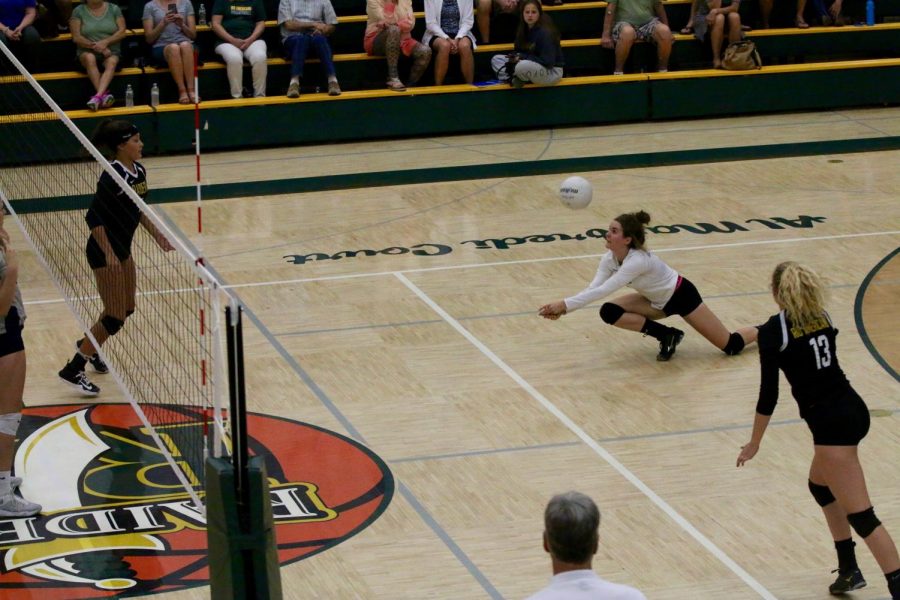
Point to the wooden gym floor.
(482, 411)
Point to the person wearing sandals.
(448, 31)
(537, 56)
(306, 23)
(239, 24)
(389, 33)
(712, 16)
(627, 21)
(12, 378)
(170, 28)
(765, 10)
(97, 28)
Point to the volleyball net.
(169, 357)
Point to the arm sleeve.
(768, 367)
(466, 19)
(374, 11)
(606, 281)
(329, 18)
(545, 48)
(432, 19)
(284, 12)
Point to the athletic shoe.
(108, 100)
(79, 381)
(96, 362)
(334, 89)
(668, 344)
(293, 90)
(847, 582)
(14, 506)
(94, 103)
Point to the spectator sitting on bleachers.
(388, 33)
(53, 17)
(537, 56)
(830, 15)
(306, 23)
(765, 9)
(448, 30)
(630, 20)
(17, 31)
(712, 16)
(169, 27)
(489, 8)
(97, 28)
(239, 25)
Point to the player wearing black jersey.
(113, 219)
(801, 341)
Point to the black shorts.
(843, 422)
(685, 300)
(11, 341)
(95, 256)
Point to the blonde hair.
(800, 291)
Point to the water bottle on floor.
(154, 96)
(129, 96)
(202, 14)
(870, 12)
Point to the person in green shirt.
(97, 28)
(240, 25)
(643, 20)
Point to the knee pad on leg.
(822, 493)
(735, 344)
(610, 313)
(864, 523)
(9, 423)
(111, 324)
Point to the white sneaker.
(14, 506)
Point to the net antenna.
(168, 360)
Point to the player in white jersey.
(660, 292)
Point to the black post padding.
(243, 561)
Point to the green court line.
(858, 316)
(487, 171)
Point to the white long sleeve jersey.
(642, 271)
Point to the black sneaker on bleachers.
(847, 582)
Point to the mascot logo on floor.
(117, 521)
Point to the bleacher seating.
(819, 51)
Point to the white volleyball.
(576, 192)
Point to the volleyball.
(575, 192)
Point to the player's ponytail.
(800, 291)
(633, 227)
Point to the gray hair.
(572, 523)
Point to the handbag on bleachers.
(741, 56)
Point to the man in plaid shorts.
(630, 20)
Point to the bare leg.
(483, 19)
(664, 38)
(844, 475)
(765, 9)
(637, 310)
(716, 34)
(109, 71)
(441, 60)
(623, 46)
(173, 58)
(89, 62)
(709, 326)
(12, 386)
(835, 515)
(187, 59)
(116, 289)
(734, 27)
(466, 60)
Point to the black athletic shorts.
(685, 300)
(11, 341)
(843, 422)
(95, 256)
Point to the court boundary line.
(590, 442)
(858, 314)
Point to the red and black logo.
(116, 521)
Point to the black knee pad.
(735, 344)
(111, 324)
(822, 494)
(610, 313)
(864, 523)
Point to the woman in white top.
(661, 292)
(448, 30)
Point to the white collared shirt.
(584, 584)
